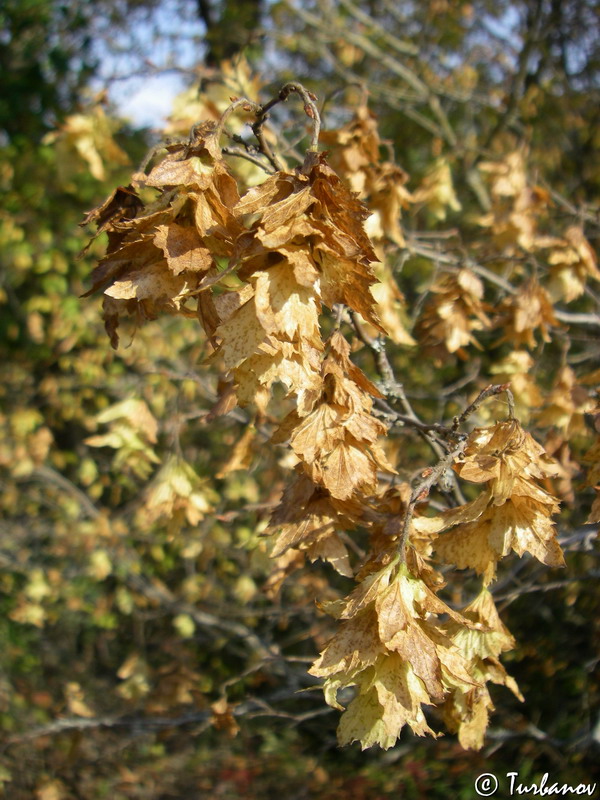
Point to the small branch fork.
(435, 435)
(248, 151)
(433, 474)
(261, 113)
(422, 489)
(447, 442)
(489, 391)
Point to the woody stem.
(242, 102)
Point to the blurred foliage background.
(146, 649)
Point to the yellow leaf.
(150, 283)
(526, 313)
(176, 491)
(401, 694)
(37, 587)
(184, 625)
(51, 790)
(76, 701)
(242, 454)
(390, 307)
(363, 722)
(100, 566)
(572, 261)
(283, 307)
(454, 311)
(415, 647)
(437, 190)
(355, 646)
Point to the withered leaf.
(284, 307)
(332, 550)
(183, 248)
(175, 171)
(241, 335)
(347, 469)
(154, 282)
(355, 646)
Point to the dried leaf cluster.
(273, 274)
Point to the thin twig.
(261, 113)
(421, 491)
(418, 248)
(393, 389)
(241, 102)
(203, 618)
(432, 475)
(489, 391)
(574, 318)
(50, 475)
(239, 153)
(401, 46)
(310, 109)
(507, 597)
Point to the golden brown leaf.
(355, 646)
(526, 313)
(455, 310)
(572, 261)
(437, 190)
(183, 249)
(332, 550)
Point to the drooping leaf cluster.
(298, 410)
(258, 271)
